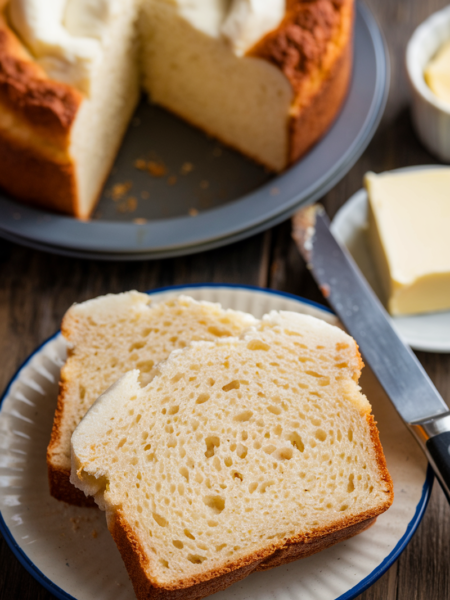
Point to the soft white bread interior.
(111, 335)
(104, 114)
(193, 72)
(238, 455)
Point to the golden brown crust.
(32, 177)
(55, 438)
(308, 41)
(36, 118)
(138, 563)
(58, 476)
(297, 551)
(313, 48)
(314, 121)
(45, 105)
(62, 489)
(381, 460)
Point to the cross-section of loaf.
(111, 335)
(239, 455)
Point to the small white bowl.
(431, 116)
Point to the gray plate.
(234, 197)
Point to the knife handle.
(433, 434)
(438, 448)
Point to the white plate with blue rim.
(69, 549)
(429, 332)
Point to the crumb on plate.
(156, 168)
(186, 168)
(120, 189)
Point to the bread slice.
(239, 455)
(111, 335)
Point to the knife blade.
(362, 314)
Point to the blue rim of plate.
(244, 216)
(350, 594)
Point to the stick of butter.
(409, 235)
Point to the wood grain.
(37, 288)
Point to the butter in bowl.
(428, 68)
(437, 73)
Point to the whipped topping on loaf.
(67, 36)
(248, 21)
(241, 22)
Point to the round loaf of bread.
(58, 141)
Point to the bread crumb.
(193, 212)
(128, 205)
(94, 534)
(186, 168)
(131, 203)
(75, 523)
(204, 184)
(172, 180)
(120, 189)
(156, 168)
(140, 164)
(325, 289)
(145, 195)
(140, 221)
(274, 191)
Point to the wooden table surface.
(37, 288)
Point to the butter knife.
(395, 365)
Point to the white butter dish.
(431, 116)
(428, 332)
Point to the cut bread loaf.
(111, 335)
(240, 455)
(60, 130)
